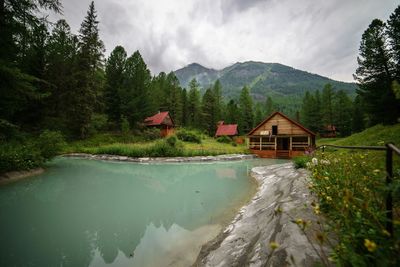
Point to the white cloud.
(317, 36)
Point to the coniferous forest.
(56, 85)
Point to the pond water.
(96, 213)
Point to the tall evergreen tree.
(393, 31)
(60, 74)
(246, 111)
(115, 72)
(135, 95)
(174, 98)
(217, 91)
(194, 108)
(258, 114)
(327, 105)
(185, 110)
(375, 75)
(232, 113)
(208, 115)
(89, 61)
(343, 113)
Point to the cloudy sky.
(319, 36)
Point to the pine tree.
(375, 75)
(246, 111)
(89, 62)
(194, 105)
(60, 74)
(115, 72)
(232, 113)
(217, 88)
(135, 95)
(343, 113)
(393, 32)
(258, 114)
(209, 121)
(327, 105)
(174, 97)
(185, 110)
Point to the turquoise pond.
(96, 213)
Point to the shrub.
(125, 126)
(300, 162)
(163, 149)
(99, 122)
(151, 133)
(189, 136)
(224, 139)
(50, 144)
(172, 140)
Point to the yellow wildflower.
(328, 198)
(370, 245)
(385, 232)
(273, 245)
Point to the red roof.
(226, 129)
(157, 119)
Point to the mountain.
(264, 79)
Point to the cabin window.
(274, 129)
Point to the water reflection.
(91, 213)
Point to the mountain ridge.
(263, 79)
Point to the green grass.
(374, 136)
(136, 147)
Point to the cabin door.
(282, 143)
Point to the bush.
(151, 134)
(99, 122)
(189, 136)
(30, 152)
(172, 140)
(125, 126)
(224, 139)
(50, 144)
(300, 162)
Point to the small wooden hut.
(280, 137)
(226, 129)
(329, 131)
(162, 121)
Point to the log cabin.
(162, 121)
(280, 137)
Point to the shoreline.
(107, 157)
(246, 240)
(14, 176)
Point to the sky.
(318, 36)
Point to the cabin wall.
(285, 127)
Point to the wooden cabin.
(226, 129)
(280, 137)
(162, 121)
(329, 131)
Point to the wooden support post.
(389, 200)
(260, 143)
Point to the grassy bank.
(351, 189)
(137, 147)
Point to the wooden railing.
(389, 148)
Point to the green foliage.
(208, 115)
(150, 133)
(246, 121)
(193, 106)
(125, 128)
(224, 139)
(172, 140)
(30, 152)
(188, 136)
(98, 123)
(351, 191)
(301, 161)
(49, 144)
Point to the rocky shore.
(261, 236)
(14, 176)
(161, 159)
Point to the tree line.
(53, 79)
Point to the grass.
(351, 191)
(137, 147)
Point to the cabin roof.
(226, 129)
(286, 117)
(157, 119)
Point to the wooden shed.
(280, 137)
(226, 129)
(162, 121)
